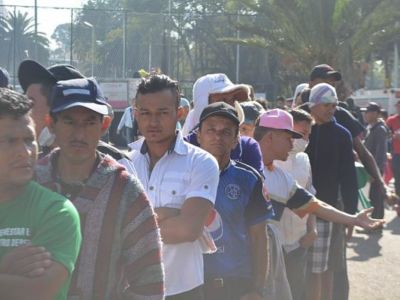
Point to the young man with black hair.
(33, 219)
(181, 181)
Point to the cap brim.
(295, 134)
(335, 75)
(222, 114)
(30, 72)
(99, 108)
(231, 88)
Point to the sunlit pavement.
(374, 262)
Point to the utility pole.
(71, 49)
(36, 31)
(93, 41)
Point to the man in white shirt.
(180, 180)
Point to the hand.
(365, 221)
(26, 260)
(164, 213)
(349, 233)
(308, 239)
(251, 296)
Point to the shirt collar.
(179, 146)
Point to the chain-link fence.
(115, 44)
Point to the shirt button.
(173, 192)
(206, 186)
(151, 188)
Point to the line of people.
(205, 212)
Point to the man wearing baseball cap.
(214, 88)
(376, 143)
(324, 73)
(107, 197)
(274, 131)
(238, 268)
(37, 83)
(334, 178)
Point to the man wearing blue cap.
(120, 252)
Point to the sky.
(48, 19)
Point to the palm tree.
(308, 32)
(20, 40)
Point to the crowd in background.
(221, 197)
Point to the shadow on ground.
(394, 226)
(366, 246)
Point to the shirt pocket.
(173, 190)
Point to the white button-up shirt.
(183, 172)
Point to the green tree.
(304, 33)
(19, 32)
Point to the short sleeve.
(59, 232)
(258, 209)
(348, 121)
(204, 177)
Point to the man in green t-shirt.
(36, 224)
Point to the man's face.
(157, 115)
(323, 112)
(239, 95)
(247, 129)
(277, 143)
(77, 131)
(371, 117)
(185, 112)
(40, 108)
(18, 151)
(218, 136)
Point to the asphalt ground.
(374, 262)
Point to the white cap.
(322, 93)
(208, 84)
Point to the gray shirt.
(376, 143)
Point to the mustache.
(81, 143)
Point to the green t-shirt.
(45, 219)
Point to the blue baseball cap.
(4, 78)
(84, 92)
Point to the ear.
(237, 141)
(179, 113)
(106, 123)
(49, 122)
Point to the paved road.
(374, 263)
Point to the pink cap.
(279, 119)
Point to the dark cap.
(4, 78)
(372, 106)
(30, 72)
(325, 71)
(83, 92)
(220, 109)
(252, 110)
